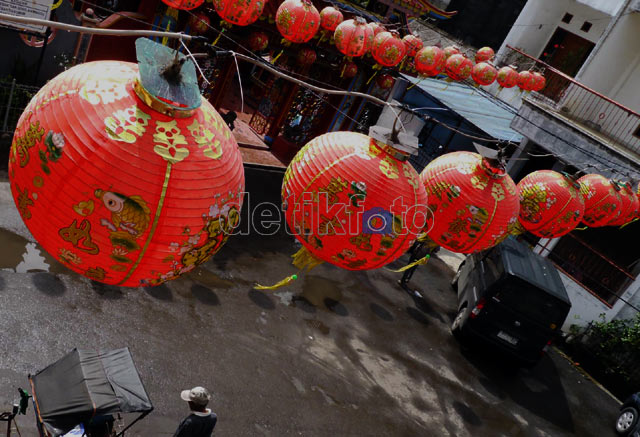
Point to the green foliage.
(617, 344)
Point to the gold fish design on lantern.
(130, 214)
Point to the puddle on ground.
(316, 290)
(317, 324)
(21, 255)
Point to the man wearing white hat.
(202, 420)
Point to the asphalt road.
(337, 353)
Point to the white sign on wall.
(26, 8)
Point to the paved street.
(337, 353)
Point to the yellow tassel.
(285, 281)
(628, 223)
(343, 68)
(371, 78)
(416, 83)
(420, 262)
(219, 36)
(304, 260)
(582, 229)
(277, 56)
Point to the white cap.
(197, 395)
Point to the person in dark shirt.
(202, 420)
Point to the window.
(585, 26)
(567, 18)
(637, 132)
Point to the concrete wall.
(540, 18)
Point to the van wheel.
(626, 421)
(456, 326)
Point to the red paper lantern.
(539, 82)
(472, 204)
(484, 54)
(484, 74)
(297, 20)
(551, 204)
(199, 23)
(385, 81)
(450, 51)
(116, 190)
(258, 41)
(388, 49)
(430, 61)
(330, 17)
(413, 44)
(353, 37)
(349, 69)
(629, 205)
(376, 27)
(306, 56)
(240, 13)
(507, 77)
(526, 80)
(351, 202)
(185, 5)
(458, 67)
(602, 203)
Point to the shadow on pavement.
(107, 291)
(160, 292)
(381, 312)
(467, 413)
(49, 284)
(204, 295)
(261, 299)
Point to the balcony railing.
(603, 118)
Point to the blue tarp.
(480, 110)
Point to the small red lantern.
(526, 80)
(484, 54)
(120, 186)
(551, 204)
(629, 206)
(385, 81)
(413, 44)
(484, 73)
(539, 82)
(353, 37)
(306, 56)
(239, 13)
(297, 20)
(349, 69)
(602, 203)
(430, 61)
(353, 201)
(199, 23)
(472, 203)
(184, 5)
(330, 17)
(258, 41)
(388, 49)
(507, 77)
(458, 67)
(450, 51)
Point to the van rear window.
(532, 302)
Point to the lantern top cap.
(360, 20)
(404, 143)
(167, 75)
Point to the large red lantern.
(385, 81)
(413, 44)
(258, 41)
(539, 82)
(507, 77)
(297, 20)
(551, 204)
(185, 5)
(484, 73)
(430, 61)
(526, 80)
(306, 56)
(330, 17)
(199, 23)
(388, 49)
(240, 13)
(601, 200)
(484, 54)
(458, 67)
(629, 205)
(353, 201)
(349, 69)
(451, 50)
(472, 203)
(119, 185)
(353, 37)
